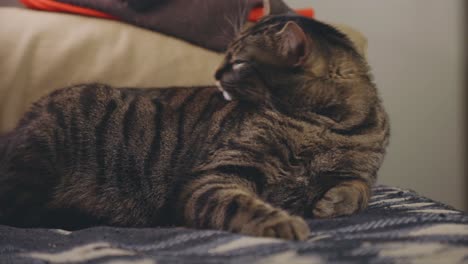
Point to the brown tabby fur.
(304, 136)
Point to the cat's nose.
(219, 74)
(221, 70)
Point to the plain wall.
(416, 52)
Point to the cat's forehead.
(261, 30)
(266, 24)
(261, 37)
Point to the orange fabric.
(258, 12)
(54, 6)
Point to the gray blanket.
(398, 227)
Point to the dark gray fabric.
(15, 3)
(207, 23)
(399, 227)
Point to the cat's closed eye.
(238, 65)
(243, 68)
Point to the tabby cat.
(297, 131)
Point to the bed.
(399, 226)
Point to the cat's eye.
(238, 64)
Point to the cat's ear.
(294, 46)
(276, 7)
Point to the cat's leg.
(229, 203)
(346, 198)
(26, 180)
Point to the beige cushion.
(42, 51)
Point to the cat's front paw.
(277, 224)
(344, 199)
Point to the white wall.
(415, 50)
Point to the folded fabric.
(208, 23)
(51, 5)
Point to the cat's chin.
(226, 95)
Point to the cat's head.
(293, 61)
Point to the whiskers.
(242, 16)
(236, 20)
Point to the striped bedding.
(399, 227)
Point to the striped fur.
(295, 142)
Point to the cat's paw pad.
(341, 200)
(278, 225)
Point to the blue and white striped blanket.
(399, 227)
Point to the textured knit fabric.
(207, 23)
(399, 227)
